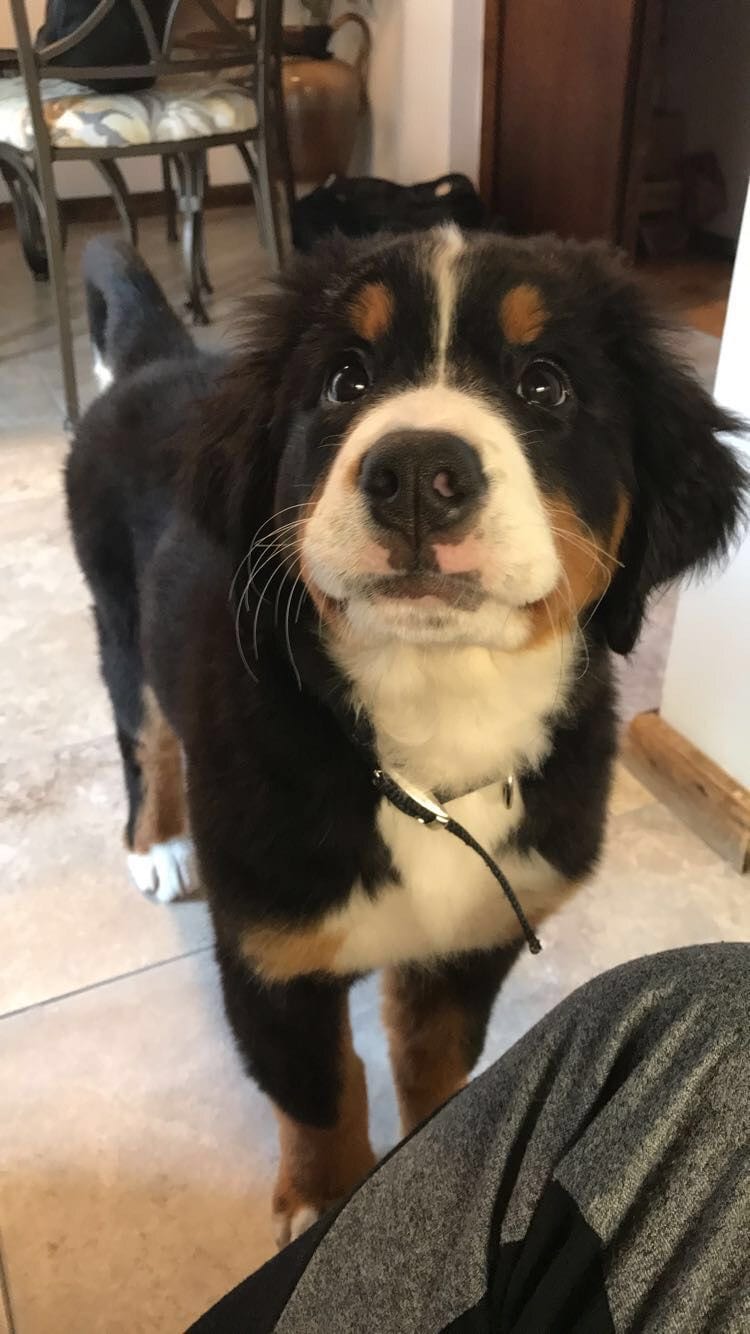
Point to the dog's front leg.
(295, 1041)
(436, 1017)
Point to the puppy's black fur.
(178, 466)
(121, 496)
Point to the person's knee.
(707, 986)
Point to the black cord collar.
(419, 806)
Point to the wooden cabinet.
(567, 102)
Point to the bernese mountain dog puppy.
(398, 534)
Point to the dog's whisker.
(590, 540)
(597, 604)
(260, 537)
(277, 601)
(275, 571)
(268, 540)
(302, 596)
(272, 518)
(287, 632)
(575, 540)
(281, 543)
(581, 544)
(281, 550)
(273, 548)
(240, 646)
(236, 576)
(286, 527)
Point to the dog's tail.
(130, 320)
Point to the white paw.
(167, 870)
(291, 1226)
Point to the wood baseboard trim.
(711, 803)
(101, 208)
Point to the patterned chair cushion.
(180, 107)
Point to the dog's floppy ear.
(230, 465)
(227, 465)
(689, 487)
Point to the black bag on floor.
(364, 205)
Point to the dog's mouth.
(417, 602)
(428, 589)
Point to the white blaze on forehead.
(444, 267)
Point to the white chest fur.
(452, 720)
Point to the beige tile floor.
(136, 1159)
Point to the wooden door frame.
(637, 120)
(636, 113)
(491, 69)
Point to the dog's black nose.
(420, 482)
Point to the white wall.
(426, 88)
(707, 685)
(466, 87)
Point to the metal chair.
(185, 112)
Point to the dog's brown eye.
(349, 381)
(543, 384)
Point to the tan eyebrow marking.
(371, 311)
(523, 314)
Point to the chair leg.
(268, 202)
(190, 175)
(62, 309)
(24, 195)
(42, 237)
(64, 329)
(275, 181)
(286, 174)
(50, 210)
(170, 211)
(202, 261)
(246, 153)
(202, 266)
(121, 195)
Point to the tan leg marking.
(163, 810)
(428, 1045)
(319, 1167)
(278, 954)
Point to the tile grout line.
(104, 982)
(6, 1306)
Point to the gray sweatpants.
(596, 1178)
